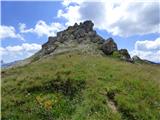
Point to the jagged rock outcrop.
(72, 38)
(136, 58)
(109, 46)
(82, 37)
(49, 46)
(125, 55)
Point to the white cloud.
(119, 18)
(9, 32)
(146, 49)
(18, 52)
(22, 28)
(71, 14)
(68, 2)
(148, 45)
(42, 29)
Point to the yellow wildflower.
(39, 100)
(48, 104)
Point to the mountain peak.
(76, 35)
(82, 37)
(86, 25)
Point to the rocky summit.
(75, 37)
(84, 38)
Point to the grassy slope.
(81, 87)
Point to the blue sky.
(29, 13)
(25, 26)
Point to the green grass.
(79, 87)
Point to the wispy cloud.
(148, 49)
(12, 53)
(9, 32)
(42, 28)
(119, 18)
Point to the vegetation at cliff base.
(81, 87)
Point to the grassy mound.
(81, 87)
